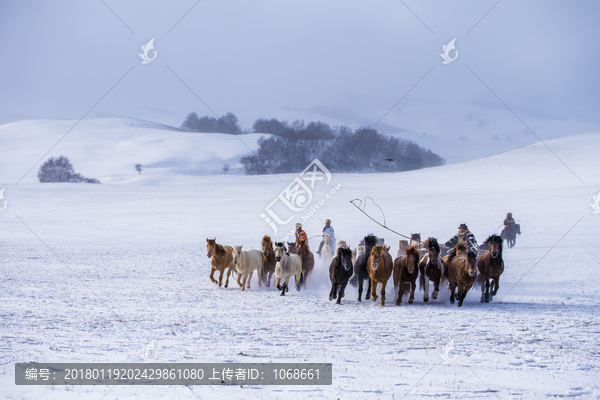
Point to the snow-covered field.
(92, 273)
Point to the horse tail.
(353, 280)
(301, 279)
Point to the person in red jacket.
(300, 234)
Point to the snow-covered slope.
(108, 149)
(92, 273)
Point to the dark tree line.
(228, 123)
(343, 150)
(295, 145)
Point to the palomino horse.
(431, 268)
(327, 251)
(246, 262)
(380, 267)
(288, 265)
(406, 270)
(491, 266)
(308, 260)
(340, 272)
(221, 258)
(462, 272)
(360, 267)
(268, 260)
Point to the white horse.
(245, 262)
(328, 251)
(288, 265)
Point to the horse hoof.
(460, 303)
(359, 300)
(282, 294)
(451, 301)
(298, 288)
(330, 298)
(425, 300)
(435, 295)
(487, 300)
(482, 300)
(410, 301)
(338, 302)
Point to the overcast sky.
(342, 62)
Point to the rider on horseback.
(300, 234)
(463, 235)
(327, 230)
(509, 222)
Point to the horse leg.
(278, 283)
(452, 287)
(212, 273)
(436, 289)
(400, 292)
(250, 279)
(460, 295)
(239, 277)
(360, 288)
(244, 279)
(368, 295)
(285, 286)
(341, 293)
(332, 292)
(412, 291)
(425, 291)
(373, 291)
(383, 293)
(496, 287)
(487, 291)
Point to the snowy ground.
(92, 273)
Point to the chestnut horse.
(406, 270)
(491, 266)
(308, 260)
(269, 260)
(380, 266)
(340, 272)
(431, 268)
(462, 272)
(221, 258)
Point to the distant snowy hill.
(108, 149)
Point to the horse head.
(345, 256)
(376, 257)
(279, 251)
(267, 245)
(210, 247)
(433, 249)
(237, 255)
(471, 264)
(370, 242)
(412, 259)
(494, 243)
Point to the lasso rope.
(374, 220)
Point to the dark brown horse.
(308, 260)
(462, 272)
(406, 270)
(380, 267)
(269, 260)
(431, 268)
(340, 272)
(491, 266)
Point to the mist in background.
(522, 68)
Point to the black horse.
(340, 272)
(360, 266)
(510, 234)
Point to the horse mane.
(412, 250)
(303, 242)
(461, 246)
(494, 239)
(432, 244)
(267, 239)
(371, 239)
(472, 256)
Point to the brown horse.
(269, 260)
(221, 258)
(308, 260)
(431, 269)
(292, 248)
(462, 272)
(491, 266)
(379, 266)
(406, 270)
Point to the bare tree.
(138, 168)
(226, 168)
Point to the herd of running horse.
(370, 261)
